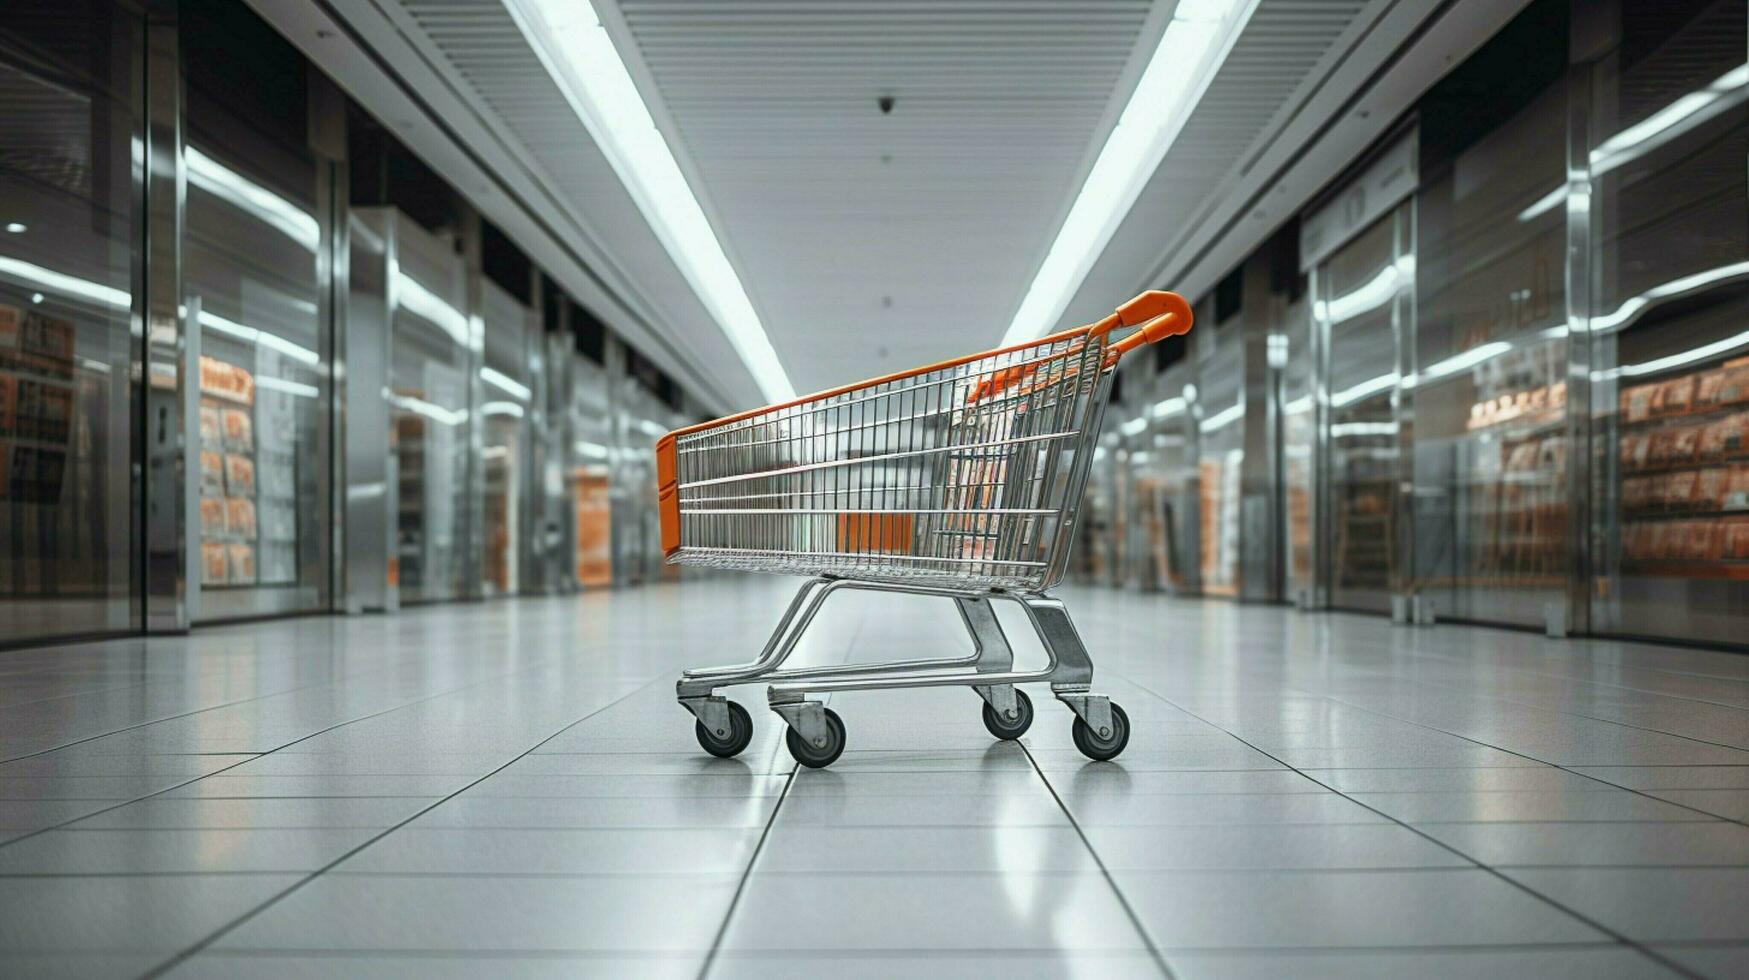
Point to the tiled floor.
(509, 789)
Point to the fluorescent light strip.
(214, 177)
(289, 387)
(571, 43)
(1190, 52)
(1632, 307)
(594, 450)
(411, 295)
(1366, 389)
(503, 382)
(1364, 429)
(62, 284)
(436, 413)
(1681, 116)
(1222, 418)
(1375, 293)
(1169, 407)
(216, 323)
(1134, 427)
(501, 408)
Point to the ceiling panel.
(871, 242)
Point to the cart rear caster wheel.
(818, 756)
(727, 745)
(1009, 729)
(1101, 748)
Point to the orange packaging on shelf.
(1678, 395)
(1737, 495)
(1636, 491)
(1658, 447)
(1711, 488)
(1633, 541)
(1734, 389)
(1678, 488)
(212, 515)
(242, 559)
(240, 515)
(212, 562)
(226, 380)
(1636, 403)
(1707, 394)
(239, 431)
(1736, 540)
(240, 475)
(1633, 452)
(1702, 541)
(1683, 443)
(212, 473)
(209, 424)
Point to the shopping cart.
(960, 480)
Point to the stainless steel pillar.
(172, 356)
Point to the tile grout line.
(1522, 755)
(261, 755)
(214, 936)
(710, 958)
(1620, 938)
(1122, 899)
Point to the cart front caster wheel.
(1101, 748)
(727, 745)
(818, 756)
(1009, 729)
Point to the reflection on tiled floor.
(509, 789)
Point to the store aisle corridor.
(508, 789)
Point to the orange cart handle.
(1158, 314)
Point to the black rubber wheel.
(818, 756)
(729, 744)
(1009, 729)
(1103, 748)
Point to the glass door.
(1360, 303)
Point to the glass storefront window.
(1298, 456)
(1221, 444)
(69, 123)
(1490, 520)
(507, 379)
(1358, 300)
(429, 362)
(1168, 500)
(252, 291)
(1669, 104)
(594, 450)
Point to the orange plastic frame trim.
(1160, 314)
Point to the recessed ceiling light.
(575, 48)
(1191, 50)
(14, 227)
(36, 297)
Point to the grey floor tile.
(1116, 781)
(63, 764)
(1460, 780)
(940, 964)
(1672, 777)
(30, 815)
(625, 913)
(1522, 805)
(1016, 809)
(1651, 905)
(78, 966)
(412, 850)
(82, 915)
(1566, 963)
(924, 850)
(30, 788)
(964, 911)
(1217, 809)
(232, 964)
(722, 781)
(1597, 844)
(117, 852)
(243, 787)
(264, 813)
(1268, 848)
(1723, 962)
(1344, 909)
(1732, 804)
(601, 812)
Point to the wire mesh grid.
(964, 475)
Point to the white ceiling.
(873, 242)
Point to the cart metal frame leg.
(989, 670)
